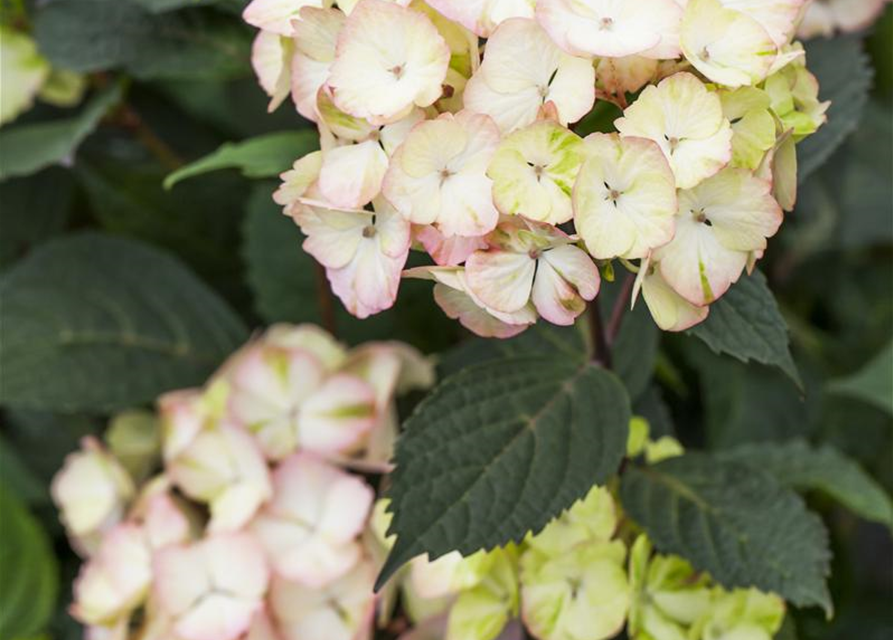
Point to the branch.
(325, 301)
(163, 153)
(598, 338)
(619, 310)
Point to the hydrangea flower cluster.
(241, 511)
(826, 17)
(432, 141)
(246, 511)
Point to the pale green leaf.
(734, 522)
(800, 466)
(265, 156)
(500, 449)
(872, 384)
(746, 324)
(92, 322)
(30, 581)
(27, 148)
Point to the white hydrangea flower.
(351, 174)
(214, 588)
(483, 16)
(343, 610)
(438, 175)
(522, 72)
(92, 491)
(310, 527)
(533, 263)
(534, 170)
(389, 59)
(363, 251)
(727, 46)
(720, 222)
(613, 28)
(825, 17)
(625, 197)
(686, 120)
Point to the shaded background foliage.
(115, 289)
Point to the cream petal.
(501, 279)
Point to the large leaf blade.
(30, 574)
(500, 449)
(734, 522)
(797, 465)
(98, 323)
(746, 324)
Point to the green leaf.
(28, 148)
(499, 450)
(18, 478)
(800, 466)
(872, 384)
(30, 580)
(844, 76)
(162, 6)
(98, 35)
(746, 323)
(99, 323)
(265, 156)
(634, 350)
(34, 209)
(735, 522)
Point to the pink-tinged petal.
(270, 59)
(393, 232)
(576, 267)
(613, 29)
(310, 527)
(458, 305)
(333, 235)
(307, 77)
(182, 418)
(554, 298)
(116, 580)
(213, 588)
(351, 175)
(276, 15)
(92, 490)
(297, 181)
(344, 610)
(337, 416)
(501, 279)
(448, 251)
(671, 312)
(483, 16)
(164, 520)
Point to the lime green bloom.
(794, 93)
(481, 612)
(753, 127)
(23, 70)
(743, 614)
(667, 595)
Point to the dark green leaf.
(797, 465)
(18, 478)
(98, 323)
(34, 209)
(28, 148)
(161, 6)
(844, 77)
(263, 157)
(499, 450)
(734, 522)
(97, 35)
(746, 323)
(30, 581)
(872, 384)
